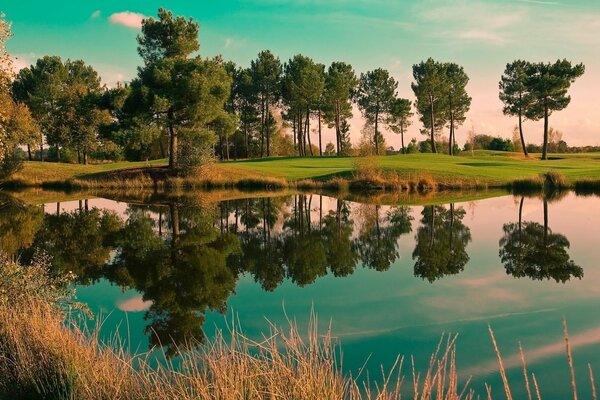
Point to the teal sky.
(481, 35)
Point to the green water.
(391, 279)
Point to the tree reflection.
(19, 224)
(377, 241)
(79, 241)
(529, 249)
(183, 275)
(441, 243)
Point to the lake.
(391, 279)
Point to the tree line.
(188, 108)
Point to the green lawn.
(492, 167)
(484, 166)
(35, 171)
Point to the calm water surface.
(391, 279)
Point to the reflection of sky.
(382, 314)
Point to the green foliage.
(430, 88)
(265, 72)
(20, 284)
(174, 91)
(340, 86)
(500, 144)
(375, 97)
(399, 118)
(303, 85)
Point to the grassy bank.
(41, 357)
(409, 173)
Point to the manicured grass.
(490, 167)
(481, 169)
(39, 172)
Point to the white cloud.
(20, 61)
(96, 14)
(229, 42)
(483, 36)
(129, 19)
(134, 304)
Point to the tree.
(399, 119)
(340, 85)
(515, 95)
(303, 85)
(17, 127)
(548, 84)
(430, 89)
(41, 87)
(458, 101)
(266, 77)
(375, 96)
(181, 92)
(80, 115)
(5, 59)
(329, 149)
(16, 124)
(245, 104)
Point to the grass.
(411, 172)
(42, 357)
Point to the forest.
(191, 109)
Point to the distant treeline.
(190, 109)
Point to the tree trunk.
(78, 156)
(246, 136)
(29, 153)
(545, 148)
(172, 141)
(376, 126)
(227, 146)
(402, 138)
(308, 131)
(57, 153)
(262, 128)
(42, 150)
(521, 134)
(294, 128)
(432, 121)
(267, 129)
(338, 133)
(161, 145)
(450, 146)
(300, 134)
(85, 160)
(320, 149)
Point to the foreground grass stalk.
(570, 359)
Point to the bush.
(500, 144)
(9, 165)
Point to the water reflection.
(186, 258)
(442, 240)
(529, 249)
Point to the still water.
(390, 278)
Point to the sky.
(481, 35)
